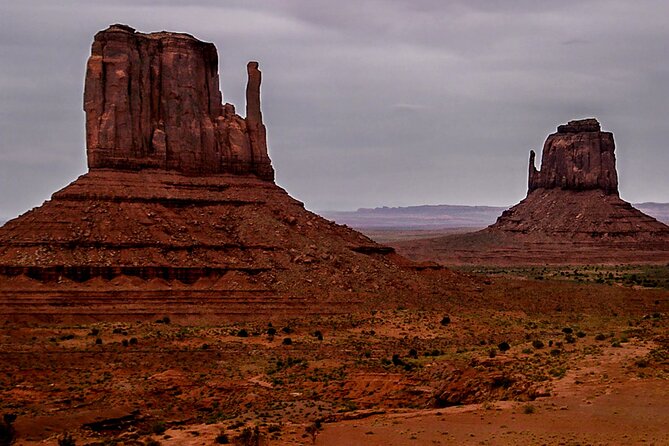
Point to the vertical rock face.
(256, 128)
(578, 157)
(153, 101)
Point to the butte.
(572, 214)
(179, 213)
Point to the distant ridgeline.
(657, 210)
(444, 216)
(417, 217)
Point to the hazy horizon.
(384, 103)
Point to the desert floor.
(587, 363)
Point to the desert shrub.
(205, 347)
(396, 360)
(318, 335)
(222, 438)
(7, 432)
(558, 372)
(287, 330)
(94, 332)
(616, 344)
(492, 352)
(159, 427)
(9, 418)
(537, 344)
(567, 330)
(367, 354)
(243, 333)
(152, 443)
(313, 430)
(555, 352)
(502, 382)
(287, 341)
(528, 409)
(98, 341)
(600, 337)
(570, 339)
(413, 353)
(249, 437)
(67, 440)
(133, 341)
(117, 331)
(236, 425)
(503, 346)
(271, 331)
(125, 342)
(445, 320)
(580, 334)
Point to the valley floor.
(514, 360)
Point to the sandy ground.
(594, 404)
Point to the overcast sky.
(367, 103)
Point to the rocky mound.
(179, 213)
(572, 214)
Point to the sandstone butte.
(179, 213)
(572, 214)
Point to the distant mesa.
(179, 213)
(572, 214)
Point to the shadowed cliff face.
(578, 157)
(153, 101)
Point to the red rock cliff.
(578, 157)
(153, 101)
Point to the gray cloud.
(382, 102)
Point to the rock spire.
(153, 101)
(579, 156)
